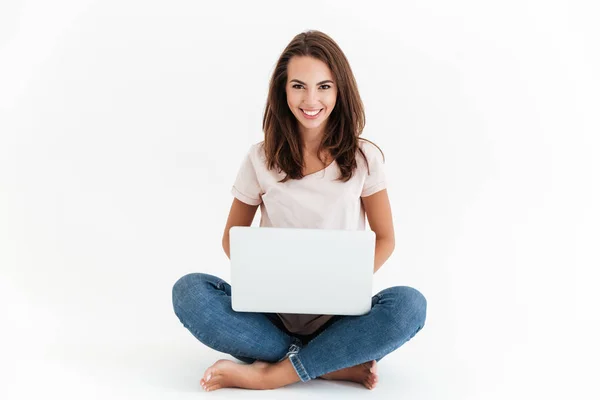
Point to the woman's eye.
(294, 86)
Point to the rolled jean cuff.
(292, 354)
(300, 370)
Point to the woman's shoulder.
(256, 150)
(370, 149)
(256, 153)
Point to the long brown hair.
(282, 144)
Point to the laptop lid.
(301, 271)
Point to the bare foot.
(365, 373)
(226, 373)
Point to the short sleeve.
(375, 179)
(246, 187)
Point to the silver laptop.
(301, 271)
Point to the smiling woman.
(312, 170)
(311, 103)
(298, 66)
(324, 116)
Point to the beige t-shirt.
(315, 201)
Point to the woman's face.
(310, 87)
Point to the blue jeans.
(202, 302)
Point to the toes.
(207, 384)
(203, 381)
(371, 383)
(207, 374)
(373, 368)
(210, 388)
(372, 380)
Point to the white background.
(123, 124)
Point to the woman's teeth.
(311, 113)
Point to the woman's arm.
(379, 213)
(240, 214)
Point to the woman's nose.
(311, 97)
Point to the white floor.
(168, 371)
(173, 370)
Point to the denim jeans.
(202, 302)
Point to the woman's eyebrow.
(320, 83)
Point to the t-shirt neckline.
(321, 170)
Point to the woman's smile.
(311, 114)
